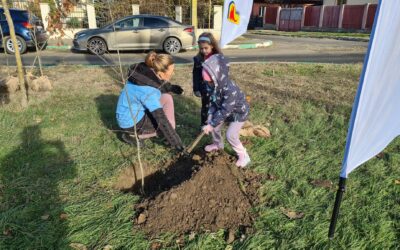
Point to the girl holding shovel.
(227, 105)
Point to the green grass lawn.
(60, 158)
(315, 34)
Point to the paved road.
(284, 49)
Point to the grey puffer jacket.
(228, 102)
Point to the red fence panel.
(331, 17)
(312, 15)
(256, 9)
(371, 16)
(353, 16)
(290, 19)
(270, 15)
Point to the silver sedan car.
(136, 33)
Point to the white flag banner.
(375, 119)
(235, 19)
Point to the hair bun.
(150, 58)
(158, 62)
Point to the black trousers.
(147, 125)
(205, 105)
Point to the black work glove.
(176, 89)
(166, 129)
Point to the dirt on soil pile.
(208, 193)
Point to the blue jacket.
(141, 98)
(228, 102)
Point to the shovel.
(196, 141)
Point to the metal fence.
(77, 18)
(108, 11)
(205, 16)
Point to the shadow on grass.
(31, 210)
(176, 172)
(106, 106)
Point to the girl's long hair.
(214, 43)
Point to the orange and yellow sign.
(233, 15)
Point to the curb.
(232, 46)
(63, 47)
(249, 45)
(241, 46)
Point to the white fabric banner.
(235, 19)
(375, 119)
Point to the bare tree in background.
(21, 78)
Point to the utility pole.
(194, 16)
(24, 101)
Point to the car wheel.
(10, 46)
(172, 45)
(97, 46)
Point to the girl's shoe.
(212, 147)
(244, 160)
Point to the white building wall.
(330, 2)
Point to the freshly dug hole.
(213, 195)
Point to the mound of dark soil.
(205, 193)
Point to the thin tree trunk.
(209, 15)
(24, 100)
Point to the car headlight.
(80, 35)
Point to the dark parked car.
(26, 26)
(137, 32)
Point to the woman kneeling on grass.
(150, 106)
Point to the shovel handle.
(195, 142)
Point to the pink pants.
(232, 135)
(167, 103)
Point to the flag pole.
(338, 200)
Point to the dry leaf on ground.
(231, 237)
(45, 217)
(156, 246)
(141, 219)
(7, 232)
(63, 216)
(292, 214)
(322, 183)
(78, 246)
(249, 130)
